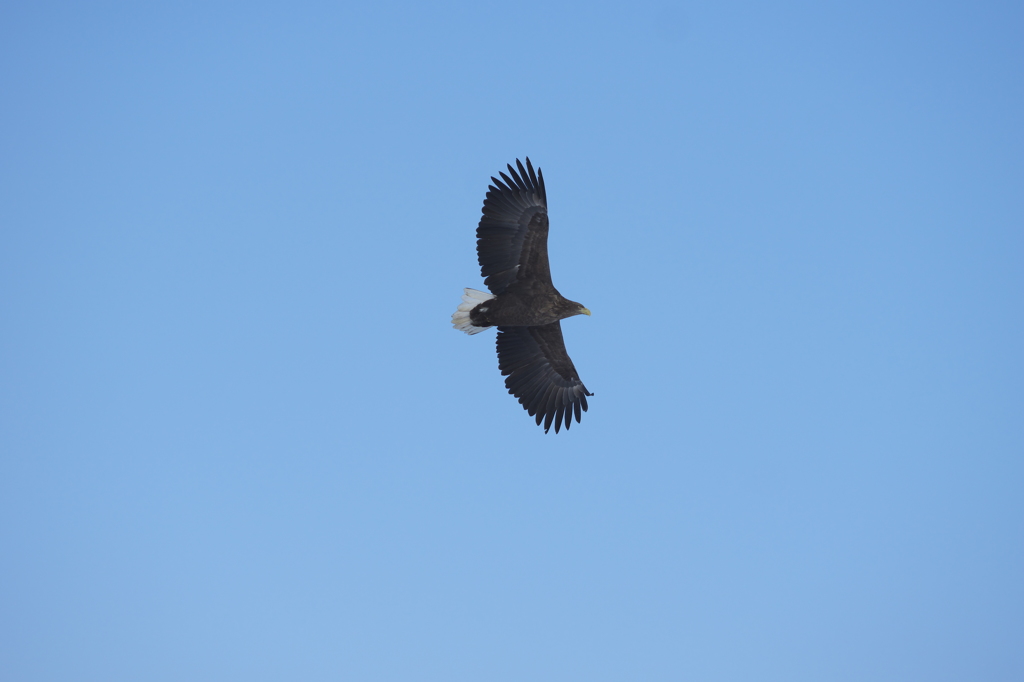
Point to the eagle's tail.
(471, 299)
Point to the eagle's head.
(569, 308)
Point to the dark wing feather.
(512, 238)
(540, 373)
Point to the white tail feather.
(473, 294)
(471, 298)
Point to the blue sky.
(240, 440)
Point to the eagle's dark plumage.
(512, 246)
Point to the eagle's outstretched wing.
(540, 373)
(512, 238)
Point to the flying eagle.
(512, 247)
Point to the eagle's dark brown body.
(512, 246)
(525, 309)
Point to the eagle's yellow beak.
(585, 311)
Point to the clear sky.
(239, 439)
